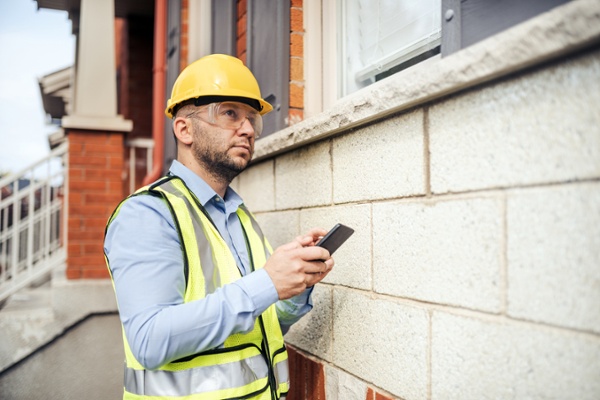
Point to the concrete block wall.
(474, 272)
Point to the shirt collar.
(201, 189)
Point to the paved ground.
(85, 363)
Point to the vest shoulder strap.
(151, 191)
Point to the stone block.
(501, 359)
(554, 255)
(382, 342)
(313, 333)
(352, 260)
(447, 252)
(540, 127)
(256, 185)
(342, 386)
(279, 227)
(382, 160)
(303, 178)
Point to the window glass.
(381, 37)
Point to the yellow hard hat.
(217, 77)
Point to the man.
(203, 302)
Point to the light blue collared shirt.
(144, 253)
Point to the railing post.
(15, 230)
(3, 243)
(30, 226)
(45, 225)
(134, 144)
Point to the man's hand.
(297, 265)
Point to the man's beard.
(217, 163)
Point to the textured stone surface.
(303, 178)
(381, 341)
(342, 386)
(313, 333)
(279, 227)
(466, 246)
(442, 252)
(541, 127)
(394, 147)
(499, 359)
(554, 255)
(353, 259)
(256, 185)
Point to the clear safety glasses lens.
(232, 116)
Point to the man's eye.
(230, 113)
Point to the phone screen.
(335, 237)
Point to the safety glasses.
(229, 115)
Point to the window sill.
(559, 32)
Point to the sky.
(33, 43)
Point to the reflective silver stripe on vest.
(196, 380)
(257, 229)
(282, 373)
(212, 278)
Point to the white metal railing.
(134, 144)
(33, 221)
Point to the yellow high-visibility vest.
(249, 365)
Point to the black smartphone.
(335, 237)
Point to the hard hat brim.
(260, 105)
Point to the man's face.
(225, 153)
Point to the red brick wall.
(242, 27)
(307, 379)
(296, 111)
(183, 38)
(373, 395)
(95, 188)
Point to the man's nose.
(247, 128)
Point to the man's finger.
(290, 246)
(315, 267)
(315, 253)
(304, 240)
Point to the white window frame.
(321, 76)
(323, 49)
(199, 29)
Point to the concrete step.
(29, 302)
(24, 323)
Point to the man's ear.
(183, 129)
